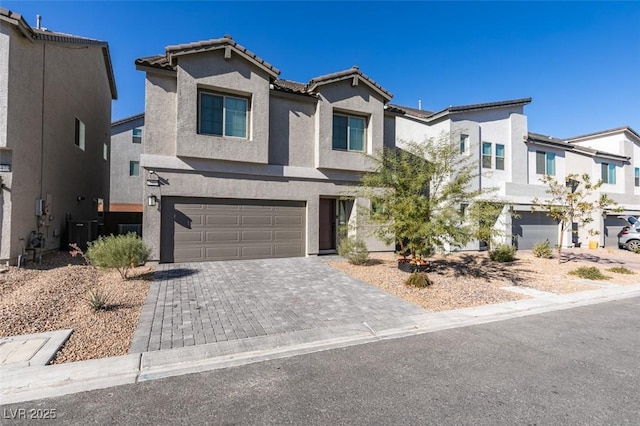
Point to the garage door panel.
(220, 229)
(257, 220)
(612, 226)
(288, 220)
(189, 237)
(257, 251)
(248, 236)
(223, 236)
(288, 251)
(222, 220)
(287, 235)
(229, 252)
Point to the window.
(636, 176)
(222, 115)
(134, 168)
(105, 151)
(499, 157)
(349, 133)
(608, 173)
(137, 135)
(464, 143)
(80, 134)
(545, 163)
(486, 155)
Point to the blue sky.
(579, 61)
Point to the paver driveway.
(197, 303)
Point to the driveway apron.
(197, 303)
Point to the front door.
(327, 225)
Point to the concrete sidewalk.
(35, 382)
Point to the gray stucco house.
(240, 164)
(55, 113)
(127, 137)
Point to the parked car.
(629, 236)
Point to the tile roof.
(127, 119)
(537, 138)
(429, 115)
(415, 112)
(354, 71)
(155, 61)
(291, 86)
(617, 129)
(48, 36)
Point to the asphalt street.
(573, 367)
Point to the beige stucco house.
(241, 164)
(55, 112)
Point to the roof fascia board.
(385, 95)
(155, 70)
(171, 55)
(21, 24)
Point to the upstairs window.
(608, 171)
(80, 134)
(486, 155)
(134, 168)
(222, 115)
(464, 143)
(545, 163)
(499, 157)
(349, 133)
(137, 135)
(636, 176)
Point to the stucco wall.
(125, 189)
(64, 84)
(235, 76)
(342, 97)
(291, 130)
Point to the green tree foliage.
(572, 201)
(425, 197)
(122, 252)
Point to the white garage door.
(205, 229)
(534, 227)
(612, 225)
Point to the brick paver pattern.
(197, 303)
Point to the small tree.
(423, 197)
(572, 201)
(122, 252)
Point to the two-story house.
(239, 164)
(125, 193)
(55, 113)
(511, 161)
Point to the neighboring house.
(55, 108)
(125, 195)
(239, 164)
(512, 160)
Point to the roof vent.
(355, 67)
(39, 22)
(227, 36)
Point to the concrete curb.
(35, 382)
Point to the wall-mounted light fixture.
(152, 200)
(153, 179)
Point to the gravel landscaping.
(52, 296)
(462, 280)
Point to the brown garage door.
(204, 229)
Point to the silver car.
(629, 236)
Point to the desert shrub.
(503, 253)
(98, 299)
(122, 252)
(543, 250)
(621, 270)
(637, 251)
(354, 250)
(418, 279)
(589, 273)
